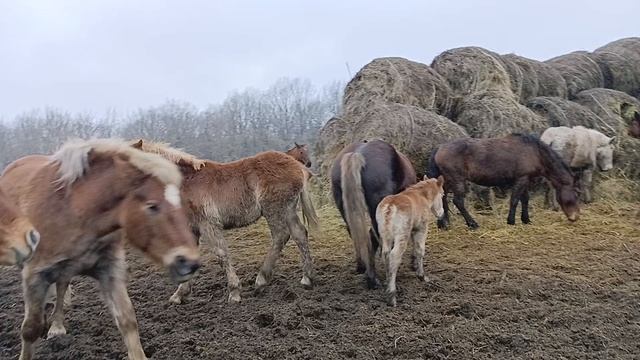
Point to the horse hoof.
(175, 299)
(234, 297)
(56, 331)
(360, 269)
(306, 282)
(443, 225)
(260, 281)
(473, 226)
(392, 300)
(373, 283)
(511, 222)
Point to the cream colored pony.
(583, 150)
(404, 218)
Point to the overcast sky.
(124, 54)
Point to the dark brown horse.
(362, 175)
(634, 128)
(18, 238)
(84, 200)
(514, 160)
(300, 153)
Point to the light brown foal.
(18, 238)
(236, 194)
(404, 218)
(84, 200)
(300, 153)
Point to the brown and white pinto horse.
(404, 218)
(362, 175)
(300, 153)
(18, 238)
(85, 199)
(236, 194)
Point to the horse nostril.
(33, 238)
(195, 266)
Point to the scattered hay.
(620, 64)
(472, 69)
(414, 131)
(614, 107)
(397, 80)
(562, 112)
(580, 71)
(495, 113)
(538, 78)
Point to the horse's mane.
(172, 154)
(549, 155)
(73, 160)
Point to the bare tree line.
(245, 123)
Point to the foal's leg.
(279, 237)
(550, 196)
(393, 263)
(443, 223)
(112, 279)
(215, 236)
(33, 325)
(57, 319)
(301, 237)
(458, 201)
(419, 238)
(587, 179)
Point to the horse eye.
(152, 208)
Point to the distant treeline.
(245, 123)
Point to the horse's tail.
(355, 206)
(433, 171)
(308, 211)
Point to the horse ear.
(296, 144)
(440, 180)
(138, 144)
(425, 178)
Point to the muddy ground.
(551, 290)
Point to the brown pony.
(84, 200)
(300, 153)
(236, 194)
(404, 218)
(18, 238)
(634, 128)
(514, 160)
(362, 175)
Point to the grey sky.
(124, 54)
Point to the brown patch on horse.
(111, 191)
(236, 194)
(403, 219)
(300, 153)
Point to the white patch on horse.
(172, 194)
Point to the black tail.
(433, 171)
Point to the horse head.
(18, 238)
(604, 155)
(568, 196)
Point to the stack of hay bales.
(397, 100)
(471, 90)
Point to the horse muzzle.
(182, 268)
(573, 217)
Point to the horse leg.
(111, 277)
(458, 201)
(443, 223)
(33, 325)
(419, 238)
(394, 258)
(301, 237)
(550, 200)
(279, 237)
(518, 188)
(216, 239)
(587, 179)
(57, 319)
(524, 201)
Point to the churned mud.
(550, 290)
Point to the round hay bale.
(626, 156)
(492, 114)
(472, 69)
(397, 80)
(580, 71)
(539, 79)
(562, 112)
(414, 131)
(516, 76)
(620, 64)
(615, 108)
(332, 138)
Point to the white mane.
(73, 160)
